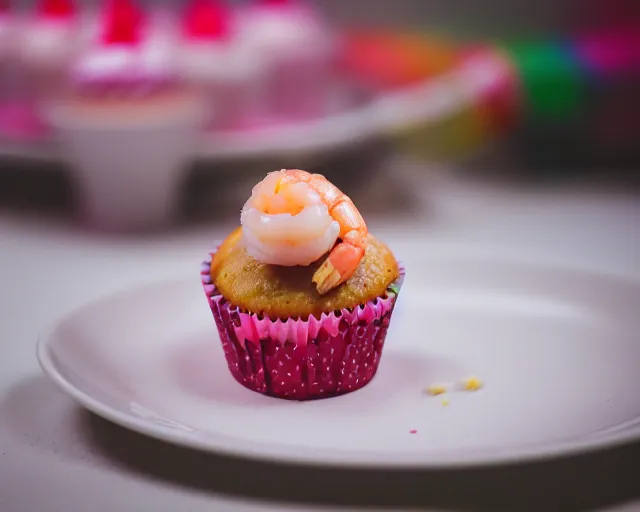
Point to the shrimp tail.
(340, 265)
(326, 277)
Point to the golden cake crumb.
(472, 383)
(445, 401)
(436, 389)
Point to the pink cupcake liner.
(298, 359)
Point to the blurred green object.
(550, 77)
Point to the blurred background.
(142, 116)
(131, 134)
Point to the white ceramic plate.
(557, 349)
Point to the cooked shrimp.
(294, 218)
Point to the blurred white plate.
(557, 349)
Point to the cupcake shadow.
(200, 370)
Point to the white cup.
(128, 172)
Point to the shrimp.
(294, 218)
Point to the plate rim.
(282, 453)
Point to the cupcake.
(214, 60)
(126, 76)
(301, 293)
(299, 50)
(127, 124)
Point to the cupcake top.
(122, 61)
(288, 292)
(207, 21)
(303, 249)
(275, 25)
(53, 15)
(210, 50)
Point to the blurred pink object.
(611, 59)
(97, 21)
(213, 60)
(47, 43)
(490, 83)
(616, 50)
(128, 124)
(109, 63)
(124, 23)
(20, 121)
(162, 33)
(7, 24)
(299, 52)
(8, 86)
(127, 62)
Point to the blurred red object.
(597, 13)
(388, 60)
(123, 23)
(493, 82)
(207, 20)
(56, 8)
(276, 2)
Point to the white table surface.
(56, 457)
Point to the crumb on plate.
(437, 389)
(445, 401)
(472, 383)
